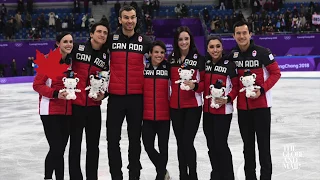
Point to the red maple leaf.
(50, 65)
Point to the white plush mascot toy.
(216, 91)
(185, 75)
(106, 76)
(96, 86)
(70, 84)
(248, 81)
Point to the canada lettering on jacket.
(247, 63)
(190, 62)
(208, 68)
(158, 72)
(99, 62)
(134, 47)
(83, 57)
(220, 69)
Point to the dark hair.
(241, 23)
(158, 43)
(213, 38)
(100, 23)
(176, 49)
(126, 8)
(60, 36)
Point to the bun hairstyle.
(60, 36)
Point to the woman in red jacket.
(220, 74)
(156, 114)
(186, 105)
(55, 112)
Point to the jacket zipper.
(209, 91)
(154, 94)
(127, 67)
(87, 92)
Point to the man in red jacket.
(254, 116)
(127, 49)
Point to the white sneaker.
(167, 176)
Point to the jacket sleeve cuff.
(196, 86)
(229, 99)
(55, 94)
(262, 90)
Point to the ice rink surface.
(295, 137)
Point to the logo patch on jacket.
(116, 37)
(140, 38)
(254, 53)
(81, 47)
(235, 54)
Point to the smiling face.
(66, 44)
(100, 35)
(157, 55)
(128, 20)
(242, 36)
(184, 41)
(215, 49)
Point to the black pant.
(131, 107)
(88, 118)
(185, 123)
(216, 129)
(56, 129)
(160, 159)
(251, 123)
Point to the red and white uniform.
(261, 62)
(224, 70)
(48, 90)
(181, 98)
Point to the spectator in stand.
(52, 20)
(76, 6)
(3, 11)
(84, 21)
(205, 14)
(58, 24)
(9, 29)
(30, 66)
(20, 7)
(156, 4)
(18, 21)
(178, 11)
(30, 6)
(91, 21)
(222, 6)
(105, 20)
(184, 10)
(28, 21)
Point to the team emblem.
(81, 48)
(116, 37)
(235, 54)
(104, 56)
(226, 61)
(254, 53)
(140, 39)
(195, 56)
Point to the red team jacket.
(181, 98)
(224, 70)
(156, 92)
(261, 62)
(48, 90)
(127, 63)
(85, 62)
